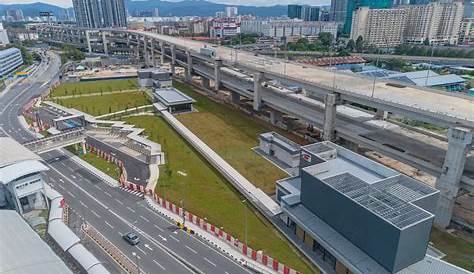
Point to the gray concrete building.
(154, 77)
(173, 100)
(281, 148)
(358, 215)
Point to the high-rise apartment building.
(468, 8)
(352, 5)
(100, 13)
(466, 33)
(3, 36)
(294, 11)
(231, 11)
(435, 23)
(379, 27)
(14, 15)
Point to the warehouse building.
(359, 216)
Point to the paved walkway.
(94, 94)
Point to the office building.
(294, 11)
(438, 23)
(379, 27)
(231, 11)
(338, 10)
(21, 184)
(10, 59)
(98, 14)
(303, 12)
(468, 8)
(3, 36)
(355, 4)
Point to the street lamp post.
(246, 222)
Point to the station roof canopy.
(23, 251)
(13, 152)
(172, 96)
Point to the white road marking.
(72, 195)
(74, 177)
(144, 218)
(108, 194)
(163, 238)
(147, 246)
(98, 187)
(130, 209)
(159, 228)
(192, 250)
(95, 213)
(143, 251)
(109, 224)
(174, 238)
(158, 264)
(60, 186)
(118, 201)
(211, 263)
(82, 204)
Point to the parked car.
(131, 238)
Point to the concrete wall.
(381, 240)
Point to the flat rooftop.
(281, 141)
(23, 251)
(423, 100)
(172, 96)
(379, 189)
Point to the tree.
(359, 44)
(325, 38)
(350, 45)
(426, 42)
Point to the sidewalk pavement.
(211, 239)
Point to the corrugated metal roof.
(23, 251)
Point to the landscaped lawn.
(103, 104)
(101, 164)
(77, 88)
(458, 251)
(188, 177)
(232, 134)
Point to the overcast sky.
(68, 3)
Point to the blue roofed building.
(429, 78)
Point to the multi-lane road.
(112, 211)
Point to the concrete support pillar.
(173, 59)
(146, 55)
(84, 150)
(88, 41)
(275, 117)
(459, 143)
(162, 51)
(206, 82)
(217, 74)
(138, 50)
(152, 51)
(235, 97)
(257, 91)
(330, 116)
(189, 68)
(104, 43)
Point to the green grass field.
(77, 88)
(101, 164)
(209, 195)
(103, 104)
(458, 251)
(232, 134)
